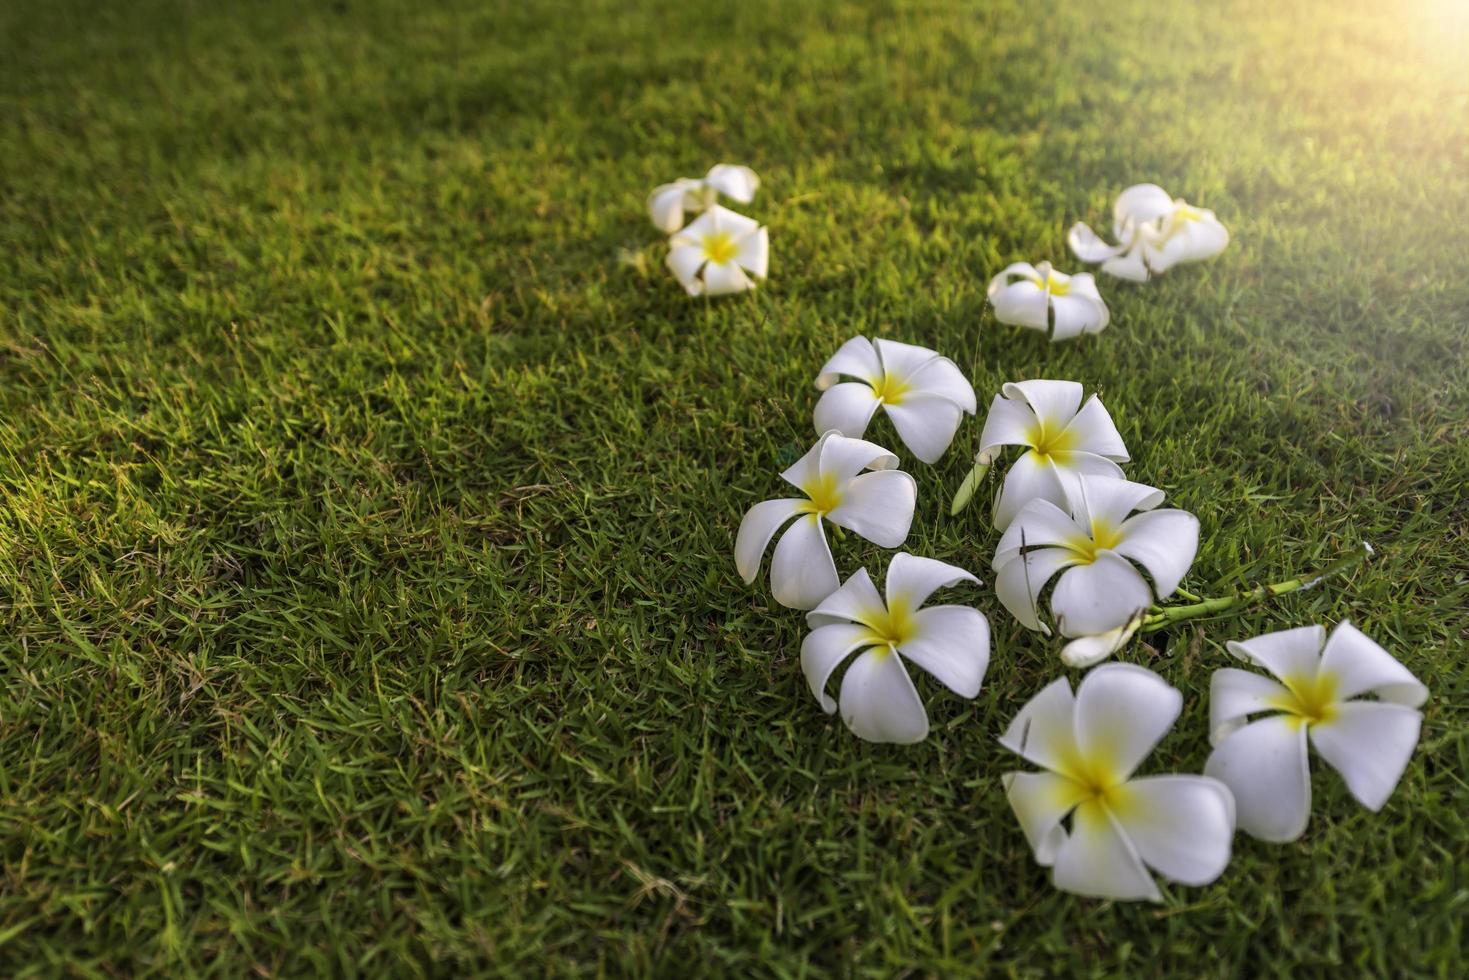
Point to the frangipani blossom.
(1090, 745)
(924, 393)
(878, 506)
(1318, 698)
(668, 202)
(1093, 547)
(1154, 233)
(1028, 296)
(1067, 440)
(878, 700)
(716, 251)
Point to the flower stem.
(1166, 616)
(966, 489)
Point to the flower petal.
(1010, 422)
(1234, 695)
(1040, 801)
(1087, 246)
(856, 601)
(1181, 826)
(667, 202)
(754, 254)
(1030, 478)
(736, 225)
(1106, 500)
(757, 528)
(1020, 303)
(823, 651)
(878, 701)
(942, 377)
(724, 278)
(1359, 665)
(696, 230)
(806, 471)
(878, 506)
(1039, 523)
(802, 572)
(1043, 732)
(901, 361)
(735, 182)
(843, 458)
(1369, 743)
(1084, 651)
(1264, 765)
(1129, 266)
(926, 424)
(856, 358)
(953, 644)
(846, 407)
(686, 261)
(1122, 712)
(1103, 595)
(1019, 581)
(1187, 240)
(1078, 314)
(1097, 861)
(911, 579)
(1164, 542)
(1286, 653)
(1092, 430)
(1140, 204)
(1055, 403)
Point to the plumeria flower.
(878, 700)
(1035, 295)
(1066, 441)
(1092, 546)
(1154, 233)
(1090, 745)
(1317, 697)
(668, 202)
(923, 393)
(719, 252)
(877, 505)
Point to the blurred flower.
(1066, 439)
(668, 202)
(1090, 745)
(923, 393)
(878, 700)
(1036, 291)
(878, 506)
(1093, 547)
(1154, 233)
(714, 253)
(1318, 698)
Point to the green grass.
(367, 601)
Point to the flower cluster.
(720, 251)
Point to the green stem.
(1166, 616)
(966, 489)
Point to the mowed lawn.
(368, 487)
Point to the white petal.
(823, 651)
(1043, 732)
(1086, 246)
(686, 261)
(1264, 765)
(1164, 542)
(926, 424)
(856, 358)
(1054, 402)
(911, 579)
(735, 182)
(1010, 422)
(1078, 314)
(1140, 204)
(1122, 711)
(1234, 695)
(942, 377)
(756, 529)
(1108, 500)
(1097, 861)
(1021, 303)
(807, 470)
(736, 225)
(878, 506)
(802, 572)
(1369, 743)
(666, 205)
(1030, 478)
(846, 407)
(1181, 826)
(1358, 665)
(1019, 581)
(902, 361)
(1040, 801)
(1129, 266)
(1039, 523)
(1070, 467)
(1187, 241)
(1098, 597)
(696, 230)
(722, 279)
(843, 458)
(856, 601)
(953, 644)
(1293, 653)
(879, 703)
(1084, 651)
(1093, 431)
(754, 254)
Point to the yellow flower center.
(825, 496)
(1310, 700)
(1058, 287)
(1043, 443)
(890, 390)
(720, 247)
(892, 626)
(1104, 535)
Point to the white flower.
(878, 506)
(714, 253)
(1037, 290)
(1093, 547)
(1089, 745)
(1087, 650)
(923, 393)
(878, 700)
(1154, 233)
(668, 202)
(1318, 699)
(1066, 439)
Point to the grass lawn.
(368, 487)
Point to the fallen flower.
(668, 202)
(1031, 296)
(714, 253)
(1154, 233)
